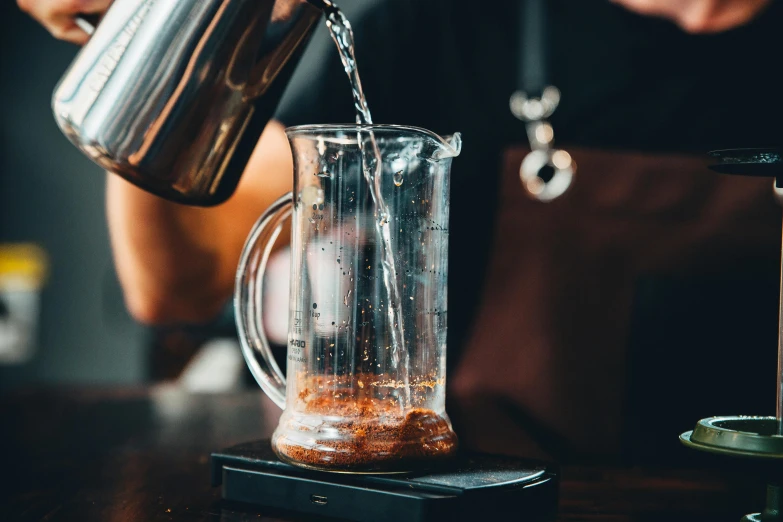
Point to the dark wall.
(51, 195)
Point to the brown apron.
(550, 341)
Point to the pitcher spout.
(450, 146)
(436, 147)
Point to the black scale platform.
(470, 487)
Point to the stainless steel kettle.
(172, 95)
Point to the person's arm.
(176, 264)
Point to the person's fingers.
(700, 16)
(72, 7)
(73, 34)
(57, 16)
(63, 27)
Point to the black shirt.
(627, 81)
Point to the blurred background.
(69, 324)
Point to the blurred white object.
(217, 367)
(23, 269)
(276, 287)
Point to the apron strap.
(532, 73)
(546, 173)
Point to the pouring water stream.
(372, 167)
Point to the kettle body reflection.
(173, 95)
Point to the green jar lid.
(737, 436)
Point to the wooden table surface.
(128, 455)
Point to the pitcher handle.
(248, 299)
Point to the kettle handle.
(87, 23)
(248, 299)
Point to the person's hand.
(700, 16)
(57, 16)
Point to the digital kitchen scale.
(469, 487)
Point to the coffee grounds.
(375, 436)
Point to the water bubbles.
(398, 179)
(371, 163)
(311, 195)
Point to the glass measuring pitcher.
(365, 387)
